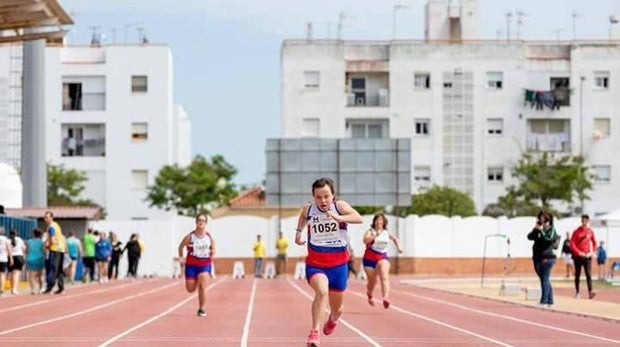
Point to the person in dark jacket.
(133, 255)
(545, 241)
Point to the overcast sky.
(227, 52)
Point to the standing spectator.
(56, 244)
(6, 259)
(18, 247)
(601, 259)
(583, 246)
(133, 255)
(281, 246)
(35, 260)
(74, 249)
(259, 255)
(103, 253)
(567, 255)
(117, 250)
(89, 242)
(543, 256)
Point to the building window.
(422, 175)
(601, 79)
(312, 79)
(601, 128)
(422, 80)
(139, 132)
(495, 79)
(447, 85)
(422, 126)
(139, 179)
(83, 93)
(83, 140)
(495, 126)
(560, 87)
(367, 129)
(139, 84)
(311, 127)
(495, 174)
(358, 89)
(602, 173)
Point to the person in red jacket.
(583, 247)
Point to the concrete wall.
(432, 244)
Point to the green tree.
(203, 185)
(511, 205)
(64, 186)
(544, 178)
(442, 200)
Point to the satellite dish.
(613, 19)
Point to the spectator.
(6, 259)
(133, 255)
(18, 247)
(281, 246)
(259, 255)
(583, 245)
(103, 252)
(117, 250)
(35, 260)
(568, 257)
(543, 256)
(56, 244)
(89, 241)
(601, 260)
(74, 249)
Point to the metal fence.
(23, 226)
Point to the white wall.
(423, 237)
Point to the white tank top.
(19, 246)
(382, 241)
(200, 246)
(4, 256)
(325, 231)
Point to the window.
(139, 84)
(422, 80)
(83, 93)
(139, 132)
(601, 79)
(495, 174)
(367, 129)
(358, 89)
(495, 126)
(422, 126)
(601, 127)
(311, 127)
(312, 79)
(560, 87)
(422, 175)
(495, 79)
(602, 173)
(139, 179)
(82, 140)
(447, 85)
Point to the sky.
(227, 52)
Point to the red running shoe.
(313, 339)
(371, 302)
(386, 304)
(329, 326)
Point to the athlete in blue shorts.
(200, 246)
(325, 222)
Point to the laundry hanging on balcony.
(549, 98)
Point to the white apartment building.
(462, 102)
(110, 112)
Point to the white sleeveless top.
(200, 246)
(382, 241)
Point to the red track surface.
(265, 312)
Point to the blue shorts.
(371, 263)
(192, 271)
(336, 276)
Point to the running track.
(249, 312)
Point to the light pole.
(581, 80)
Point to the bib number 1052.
(325, 228)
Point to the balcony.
(550, 142)
(367, 89)
(360, 99)
(83, 140)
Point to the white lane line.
(429, 319)
(357, 331)
(88, 310)
(540, 325)
(152, 319)
(70, 296)
(248, 316)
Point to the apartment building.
(471, 107)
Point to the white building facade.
(110, 113)
(463, 104)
